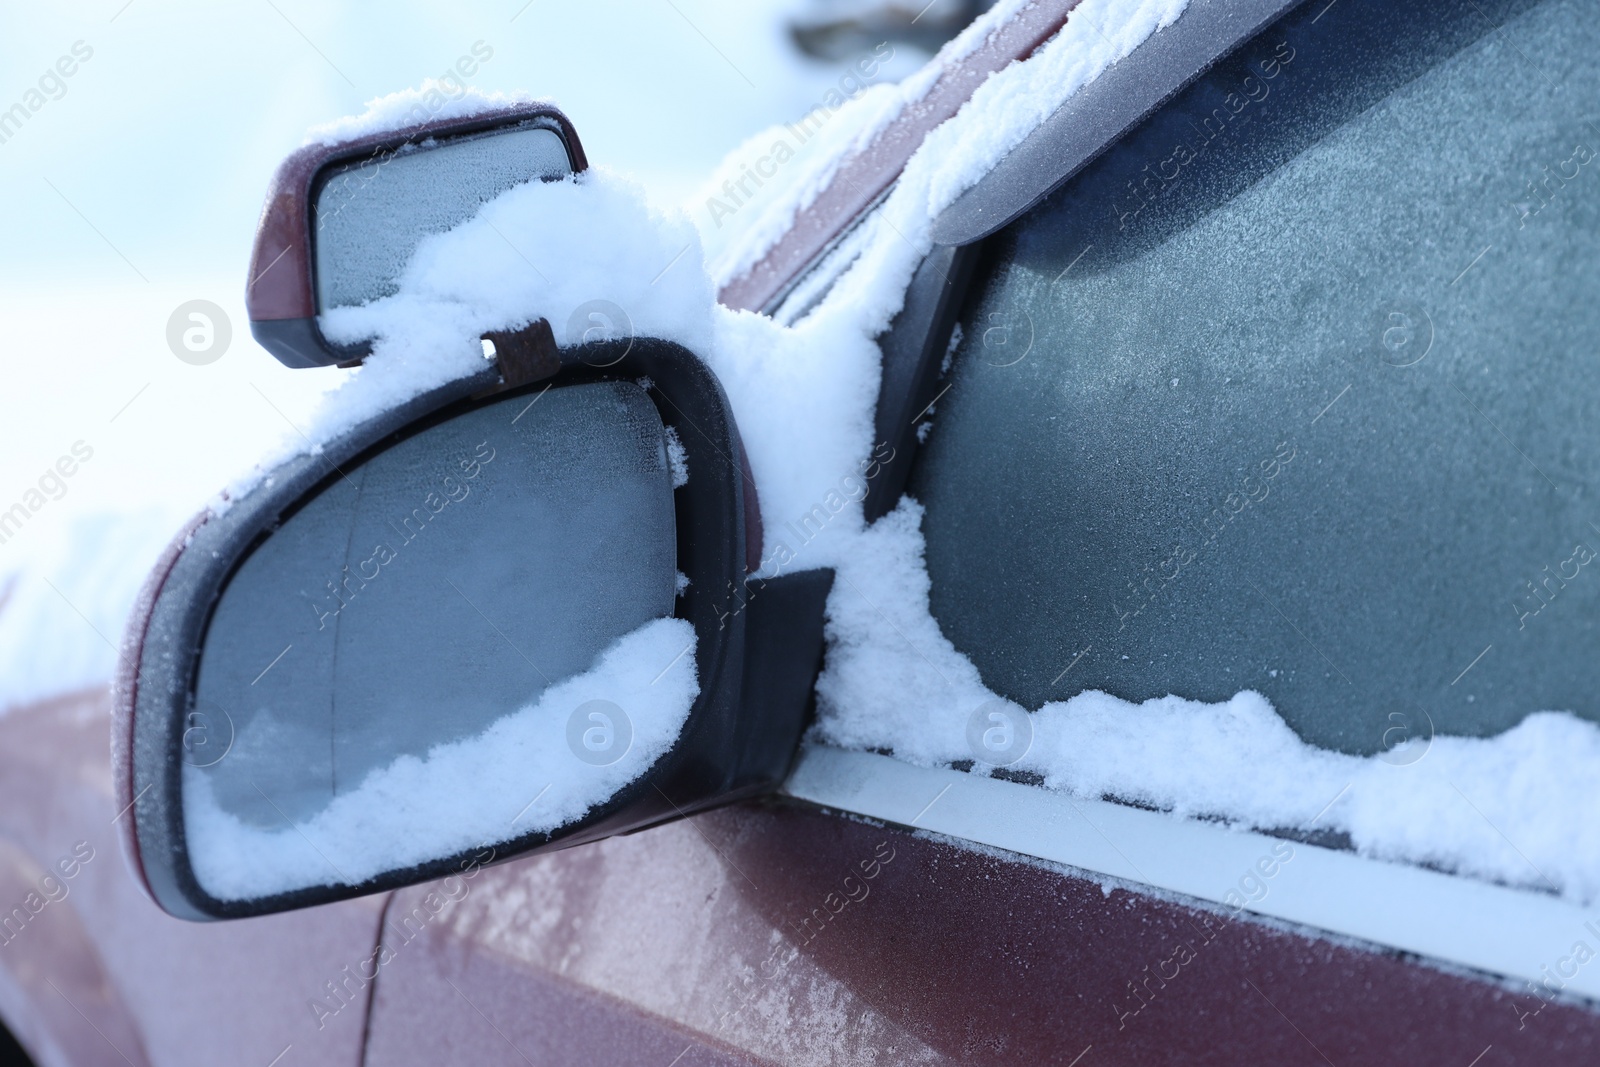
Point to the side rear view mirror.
(342, 220)
(510, 614)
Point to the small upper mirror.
(464, 637)
(343, 219)
(371, 213)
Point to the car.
(1090, 567)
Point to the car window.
(1294, 390)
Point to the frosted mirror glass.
(462, 638)
(371, 215)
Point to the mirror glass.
(371, 214)
(463, 638)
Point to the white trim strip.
(1503, 931)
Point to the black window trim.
(1102, 112)
(1078, 132)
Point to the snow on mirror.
(462, 639)
(371, 215)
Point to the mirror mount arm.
(525, 355)
(783, 653)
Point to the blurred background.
(132, 185)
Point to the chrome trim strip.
(1507, 932)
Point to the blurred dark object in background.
(839, 29)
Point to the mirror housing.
(757, 645)
(393, 692)
(284, 291)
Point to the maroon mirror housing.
(284, 294)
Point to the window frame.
(1516, 930)
(1075, 135)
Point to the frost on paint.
(519, 776)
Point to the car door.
(1190, 440)
(781, 933)
(92, 971)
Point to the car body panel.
(766, 932)
(751, 934)
(158, 989)
(788, 934)
(53, 972)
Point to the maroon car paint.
(761, 933)
(54, 971)
(103, 966)
(793, 936)
(125, 694)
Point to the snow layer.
(894, 682)
(804, 397)
(430, 101)
(739, 224)
(804, 155)
(1505, 808)
(518, 776)
(580, 252)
